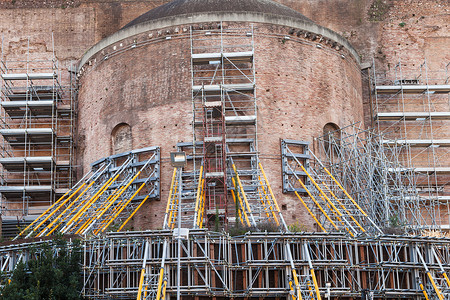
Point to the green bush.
(49, 275)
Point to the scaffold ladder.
(302, 286)
(152, 281)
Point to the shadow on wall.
(121, 139)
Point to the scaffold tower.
(411, 108)
(37, 100)
(225, 124)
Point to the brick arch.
(331, 131)
(121, 138)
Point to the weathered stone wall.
(372, 26)
(152, 83)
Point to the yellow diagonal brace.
(173, 206)
(123, 206)
(424, 291)
(436, 289)
(171, 189)
(240, 202)
(89, 218)
(164, 290)
(343, 207)
(141, 283)
(446, 278)
(292, 290)
(111, 202)
(338, 216)
(45, 212)
(132, 214)
(310, 212)
(324, 197)
(104, 207)
(263, 203)
(175, 214)
(64, 211)
(269, 188)
(119, 206)
(58, 208)
(345, 192)
(268, 201)
(247, 205)
(93, 199)
(321, 191)
(317, 204)
(316, 286)
(238, 210)
(297, 285)
(201, 204)
(160, 283)
(199, 194)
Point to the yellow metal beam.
(266, 196)
(297, 285)
(247, 205)
(122, 207)
(141, 283)
(64, 202)
(343, 207)
(317, 204)
(336, 213)
(171, 189)
(44, 213)
(92, 200)
(345, 192)
(321, 191)
(172, 200)
(269, 188)
(199, 194)
(111, 202)
(160, 283)
(132, 214)
(240, 202)
(238, 209)
(202, 205)
(316, 286)
(436, 288)
(97, 211)
(263, 203)
(310, 212)
(64, 211)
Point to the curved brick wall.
(300, 88)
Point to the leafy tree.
(52, 274)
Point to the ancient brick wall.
(372, 26)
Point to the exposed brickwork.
(372, 26)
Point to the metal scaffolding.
(225, 125)
(272, 265)
(37, 117)
(411, 107)
(106, 197)
(374, 176)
